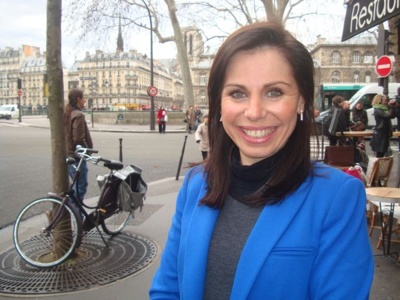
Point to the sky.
(24, 22)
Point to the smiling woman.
(258, 210)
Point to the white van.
(9, 111)
(367, 93)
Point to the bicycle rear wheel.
(115, 223)
(39, 245)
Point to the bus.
(326, 91)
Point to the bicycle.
(49, 229)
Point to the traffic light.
(19, 83)
(384, 43)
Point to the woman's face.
(259, 103)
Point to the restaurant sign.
(364, 14)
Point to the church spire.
(120, 41)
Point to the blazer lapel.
(196, 252)
(272, 223)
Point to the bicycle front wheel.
(42, 245)
(116, 222)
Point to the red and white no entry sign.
(152, 91)
(19, 93)
(384, 66)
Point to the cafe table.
(355, 135)
(385, 196)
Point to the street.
(25, 161)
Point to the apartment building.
(122, 79)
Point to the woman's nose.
(255, 109)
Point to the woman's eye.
(238, 95)
(274, 93)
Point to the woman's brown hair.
(294, 165)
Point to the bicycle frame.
(70, 197)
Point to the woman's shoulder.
(330, 176)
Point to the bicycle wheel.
(116, 222)
(41, 247)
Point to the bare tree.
(55, 107)
(96, 18)
(394, 27)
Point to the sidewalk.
(155, 227)
(163, 193)
(43, 121)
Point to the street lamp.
(152, 117)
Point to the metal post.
(20, 109)
(180, 160)
(152, 114)
(120, 150)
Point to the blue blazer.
(313, 245)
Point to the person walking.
(190, 118)
(197, 115)
(201, 137)
(77, 133)
(343, 119)
(397, 112)
(383, 113)
(162, 117)
(258, 219)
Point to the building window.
(336, 57)
(356, 57)
(356, 76)
(335, 77)
(202, 79)
(368, 77)
(368, 58)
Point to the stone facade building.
(350, 63)
(122, 78)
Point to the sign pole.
(19, 106)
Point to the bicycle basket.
(132, 190)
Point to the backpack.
(326, 123)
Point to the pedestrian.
(397, 112)
(162, 117)
(190, 118)
(201, 137)
(343, 120)
(359, 118)
(197, 116)
(383, 113)
(77, 133)
(258, 219)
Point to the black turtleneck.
(235, 222)
(246, 180)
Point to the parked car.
(8, 111)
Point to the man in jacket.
(77, 133)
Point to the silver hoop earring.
(301, 116)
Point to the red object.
(384, 66)
(152, 91)
(19, 93)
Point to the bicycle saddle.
(114, 165)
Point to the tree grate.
(94, 266)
